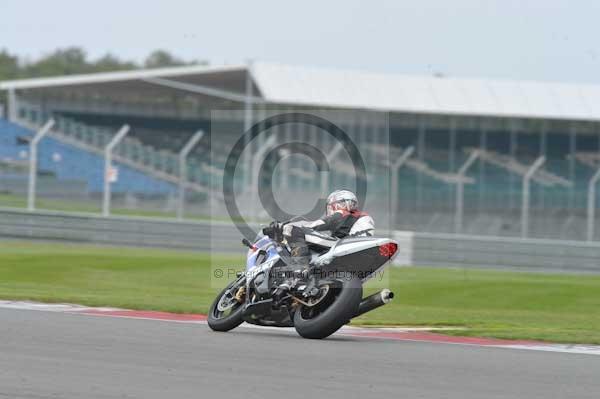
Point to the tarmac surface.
(59, 355)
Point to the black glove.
(274, 231)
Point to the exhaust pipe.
(374, 301)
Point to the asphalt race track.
(58, 355)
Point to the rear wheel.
(226, 311)
(332, 312)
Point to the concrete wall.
(443, 250)
(418, 249)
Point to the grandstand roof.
(318, 87)
(121, 76)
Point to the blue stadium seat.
(71, 163)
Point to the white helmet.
(343, 200)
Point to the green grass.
(562, 308)
(85, 206)
(95, 207)
(11, 200)
(121, 277)
(553, 307)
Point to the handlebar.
(247, 243)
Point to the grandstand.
(509, 124)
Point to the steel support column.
(248, 120)
(325, 175)
(13, 113)
(267, 146)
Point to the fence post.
(525, 204)
(108, 166)
(460, 187)
(33, 163)
(183, 154)
(394, 186)
(591, 205)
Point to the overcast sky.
(551, 40)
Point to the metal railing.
(170, 167)
(91, 142)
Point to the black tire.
(346, 299)
(216, 321)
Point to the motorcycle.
(316, 297)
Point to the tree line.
(74, 60)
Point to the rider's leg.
(297, 243)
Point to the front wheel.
(330, 314)
(226, 311)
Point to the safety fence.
(544, 186)
(116, 230)
(449, 250)
(417, 249)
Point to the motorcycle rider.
(342, 219)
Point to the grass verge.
(560, 308)
(95, 207)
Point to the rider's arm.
(329, 223)
(364, 226)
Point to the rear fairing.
(361, 256)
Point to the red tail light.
(388, 250)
